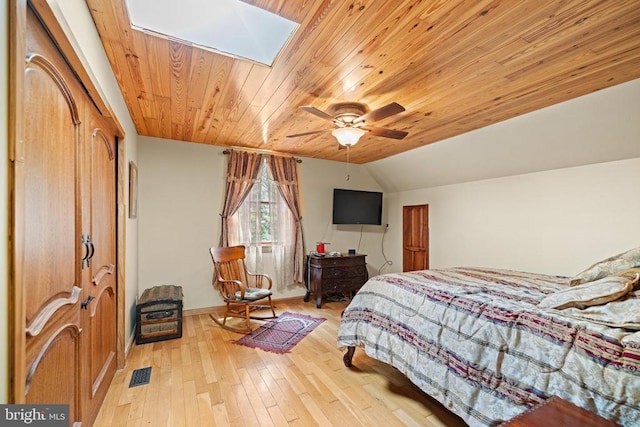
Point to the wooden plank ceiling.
(454, 65)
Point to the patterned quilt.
(475, 340)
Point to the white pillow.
(621, 313)
(609, 266)
(588, 294)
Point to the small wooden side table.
(558, 412)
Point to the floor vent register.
(140, 377)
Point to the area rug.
(282, 334)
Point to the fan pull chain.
(348, 176)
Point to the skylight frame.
(263, 28)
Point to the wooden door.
(66, 351)
(98, 308)
(415, 237)
(47, 249)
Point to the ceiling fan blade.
(316, 112)
(387, 133)
(313, 132)
(380, 113)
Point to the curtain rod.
(227, 152)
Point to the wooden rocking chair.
(242, 292)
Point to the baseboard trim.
(218, 310)
(128, 346)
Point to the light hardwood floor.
(203, 379)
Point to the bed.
(489, 344)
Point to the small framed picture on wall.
(133, 190)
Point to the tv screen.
(357, 207)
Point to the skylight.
(229, 27)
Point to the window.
(263, 219)
(260, 212)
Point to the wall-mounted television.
(357, 207)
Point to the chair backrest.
(229, 263)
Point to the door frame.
(15, 304)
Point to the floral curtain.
(242, 171)
(250, 191)
(264, 225)
(245, 228)
(285, 173)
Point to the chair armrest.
(260, 278)
(230, 287)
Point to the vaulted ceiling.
(454, 65)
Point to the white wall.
(555, 222)
(181, 195)
(552, 191)
(178, 211)
(596, 128)
(318, 179)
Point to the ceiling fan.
(351, 121)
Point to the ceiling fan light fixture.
(347, 136)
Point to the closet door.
(99, 233)
(65, 244)
(48, 248)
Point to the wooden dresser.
(558, 412)
(342, 274)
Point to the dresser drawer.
(337, 261)
(341, 285)
(343, 272)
